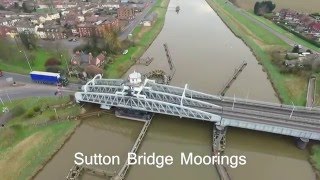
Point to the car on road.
(73, 40)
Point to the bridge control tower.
(135, 79)
(133, 88)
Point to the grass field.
(143, 37)
(37, 59)
(25, 148)
(315, 157)
(309, 6)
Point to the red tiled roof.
(315, 26)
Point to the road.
(26, 79)
(271, 30)
(311, 92)
(136, 21)
(26, 88)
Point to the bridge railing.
(269, 104)
(179, 91)
(149, 105)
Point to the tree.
(28, 7)
(28, 40)
(16, 5)
(2, 7)
(309, 51)
(256, 7)
(112, 41)
(263, 7)
(52, 62)
(295, 49)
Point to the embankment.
(143, 38)
(262, 43)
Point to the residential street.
(28, 88)
(136, 21)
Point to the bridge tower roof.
(135, 78)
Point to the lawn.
(37, 59)
(290, 88)
(25, 148)
(143, 37)
(315, 158)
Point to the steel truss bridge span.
(288, 120)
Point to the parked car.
(73, 40)
(125, 51)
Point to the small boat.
(133, 114)
(177, 9)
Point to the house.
(10, 21)
(287, 14)
(86, 30)
(315, 27)
(106, 25)
(124, 1)
(7, 31)
(305, 20)
(82, 59)
(98, 28)
(99, 60)
(308, 60)
(125, 12)
(49, 17)
(72, 18)
(51, 33)
(6, 3)
(138, 7)
(25, 26)
(111, 5)
(150, 19)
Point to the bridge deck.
(295, 121)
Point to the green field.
(315, 157)
(24, 147)
(143, 37)
(18, 62)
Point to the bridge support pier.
(219, 138)
(302, 143)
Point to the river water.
(205, 54)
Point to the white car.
(125, 52)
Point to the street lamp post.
(234, 100)
(65, 61)
(25, 55)
(292, 110)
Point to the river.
(205, 54)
